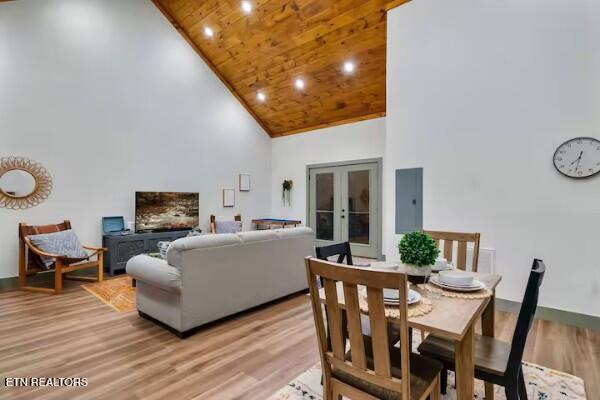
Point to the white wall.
(110, 99)
(480, 94)
(291, 155)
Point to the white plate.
(413, 297)
(473, 285)
(456, 278)
(384, 265)
(455, 284)
(448, 267)
(477, 285)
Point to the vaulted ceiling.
(268, 48)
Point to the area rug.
(542, 384)
(115, 292)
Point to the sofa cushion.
(156, 272)
(257, 236)
(176, 249)
(179, 246)
(294, 232)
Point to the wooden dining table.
(455, 319)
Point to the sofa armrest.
(155, 272)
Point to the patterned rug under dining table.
(454, 319)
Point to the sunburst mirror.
(24, 183)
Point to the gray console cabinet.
(122, 247)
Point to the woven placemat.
(424, 306)
(480, 294)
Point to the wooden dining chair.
(447, 239)
(213, 222)
(496, 361)
(343, 252)
(369, 370)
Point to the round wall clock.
(578, 158)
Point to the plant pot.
(416, 270)
(415, 274)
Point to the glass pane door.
(359, 218)
(324, 208)
(358, 207)
(344, 206)
(324, 205)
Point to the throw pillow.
(228, 226)
(64, 243)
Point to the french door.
(344, 206)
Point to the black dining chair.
(342, 250)
(496, 361)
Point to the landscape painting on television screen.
(163, 211)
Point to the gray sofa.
(206, 278)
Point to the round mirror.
(24, 183)
(17, 183)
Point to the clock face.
(578, 158)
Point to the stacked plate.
(459, 281)
(392, 297)
(441, 264)
(384, 265)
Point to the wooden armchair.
(30, 261)
(213, 220)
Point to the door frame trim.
(379, 162)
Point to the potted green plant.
(287, 190)
(418, 251)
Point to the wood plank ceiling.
(267, 49)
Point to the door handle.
(342, 216)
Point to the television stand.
(123, 247)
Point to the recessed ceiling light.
(299, 83)
(208, 31)
(261, 97)
(349, 67)
(246, 7)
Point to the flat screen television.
(165, 211)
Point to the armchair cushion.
(155, 272)
(228, 226)
(64, 243)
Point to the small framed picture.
(228, 198)
(244, 182)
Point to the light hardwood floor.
(248, 357)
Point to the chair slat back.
(27, 230)
(33, 260)
(342, 250)
(342, 287)
(461, 239)
(213, 222)
(526, 316)
(357, 343)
